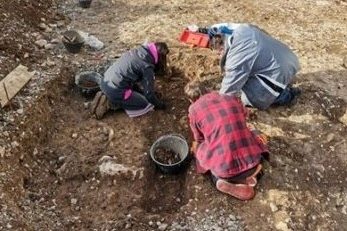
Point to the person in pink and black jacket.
(129, 82)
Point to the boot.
(239, 191)
(95, 102)
(102, 108)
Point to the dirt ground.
(61, 169)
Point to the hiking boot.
(239, 191)
(102, 107)
(95, 102)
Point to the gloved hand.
(160, 106)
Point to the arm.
(198, 136)
(148, 88)
(238, 65)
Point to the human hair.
(163, 51)
(216, 42)
(195, 89)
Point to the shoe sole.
(102, 107)
(239, 191)
(95, 102)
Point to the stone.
(61, 159)
(41, 43)
(86, 105)
(344, 210)
(162, 226)
(273, 207)
(43, 26)
(20, 111)
(50, 63)
(74, 135)
(343, 119)
(73, 201)
(55, 41)
(49, 46)
(282, 226)
(344, 64)
(2, 151)
(330, 137)
(14, 144)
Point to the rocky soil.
(60, 169)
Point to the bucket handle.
(179, 135)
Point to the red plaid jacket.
(227, 147)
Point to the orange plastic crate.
(195, 38)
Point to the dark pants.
(136, 101)
(235, 179)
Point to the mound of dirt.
(19, 20)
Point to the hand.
(194, 147)
(160, 106)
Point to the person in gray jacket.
(129, 82)
(255, 65)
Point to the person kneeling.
(224, 146)
(129, 82)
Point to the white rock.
(41, 43)
(55, 41)
(14, 144)
(282, 226)
(273, 207)
(345, 62)
(49, 46)
(91, 41)
(35, 152)
(343, 119)
(43, 26)
(162, 227)
(20, 111)
(74, 135)
(73, 201)
(2, 151)
(344, 210)
(86, 105)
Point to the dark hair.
(163, 51)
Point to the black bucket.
(88, 82)
(178, 145)
(72, 41)
(85, 3)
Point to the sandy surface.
(63, 170)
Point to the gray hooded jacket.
(258, 65)
(134, 66)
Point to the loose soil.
(166, 156)
(19, 30)
(51, 153)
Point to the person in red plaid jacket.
(224, 145)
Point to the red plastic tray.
(195, 38)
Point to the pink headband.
(154, 52)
